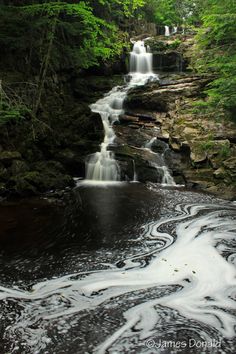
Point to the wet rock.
(125, 135)
(134, 126)
(169, 61)
(159, 146)
(124, 118)
(162, 98)
(142, 161)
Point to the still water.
(118, 268)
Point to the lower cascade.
(102, 165)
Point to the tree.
(172, 12)
(217, 47)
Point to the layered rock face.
(203, 150)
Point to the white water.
(167, 179)
(135, 176)
(175, 30)
(148, 145)
(167, 31)
(191, 256)
(102, 165)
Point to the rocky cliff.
(203, 147)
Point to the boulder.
(198, 156)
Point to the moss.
(163, 46)
(34, 182)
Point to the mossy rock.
(51, 166)
(34, 182)
(22, 184)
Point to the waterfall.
(140, 59)
(167, 31)
(167, 179)
(102, 165)
(175, 30)
(135, 177)
(148, 145)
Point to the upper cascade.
(167, 31)
(140, 59)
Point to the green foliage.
(216, 53)
(175, 44)
(80, 38)
(113, 9)
(225, 152)
(172, 12)
(10, 111)
(160, 46)
(130, 6)
(49, 36)
(83, 38)
(206, 145)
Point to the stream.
(119, 266)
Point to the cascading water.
(140, 59)
(175, 30)
(102, 165)
(167, 31)
(161, 167)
